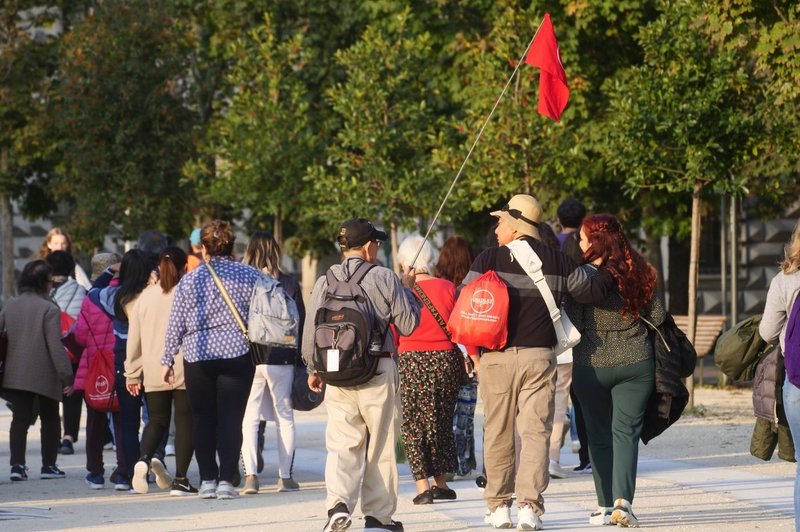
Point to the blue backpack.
(791, 353)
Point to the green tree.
(686, 121)
(121, 117)
(263, 140)
(29, 33)
(380, 164)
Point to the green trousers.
(613, 402)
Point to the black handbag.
(303, 397)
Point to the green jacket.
(739, 349)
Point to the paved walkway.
(697, 476)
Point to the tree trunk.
(693, 262)
(308, 275)
(7, 230)
(393, 238)
(277, 228)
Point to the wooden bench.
(709, 327)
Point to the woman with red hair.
(614, 370)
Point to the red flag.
(553, 90)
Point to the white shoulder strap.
(532, 264)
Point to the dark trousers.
(96, 431)
(614, 401)
(72, 411)
(218, 392)
(130, 417)
(159, 407)
(22, 410)
(580, 426)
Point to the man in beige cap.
(516, 383)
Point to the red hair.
(636, 278)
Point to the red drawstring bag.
(480, 316)
(100, 394)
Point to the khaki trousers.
(563, 383)
(517, 389)
(363, 424)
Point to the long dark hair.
(455, 259)
(263, 253)
(636, 278)
(134, 272)
(171, 267)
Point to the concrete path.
(697, 476)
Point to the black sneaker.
(443, 494)
(181, 487)
(66, 447)
(370, 523)
(52, 471)
(19, 472)
(338, 519)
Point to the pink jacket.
(95, 331)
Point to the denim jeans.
(791, 407)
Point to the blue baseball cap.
(194, 238)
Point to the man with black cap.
(516, 383)
(363, 421)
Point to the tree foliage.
(123, 127)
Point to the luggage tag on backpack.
(332, 360)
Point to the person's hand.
(409, 277)
(134, 389)
(315, 383)
(68, 390)
(476, 363)
(115, 267)
(168, 375)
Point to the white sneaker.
(500, 518)
(208, 489)
(576, 446)
(623, 515)
(139, 479)
(556, 471)
(225, 491)
(163, 478)
(527, 519)
(601, 516)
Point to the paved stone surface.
(696, 476)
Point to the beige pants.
(363, 424)
(517, 390)
(563, 382)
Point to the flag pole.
(474, 143)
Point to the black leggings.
(159, 408)
(22, 404)
(218, 392)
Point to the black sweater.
(529, 322)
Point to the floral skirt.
(429, 383)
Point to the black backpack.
(347, 343)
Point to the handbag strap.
(226, 296)
(532, 265)
(425, 299)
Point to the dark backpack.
(344, 329)
(791, 352)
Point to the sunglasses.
(517, 214)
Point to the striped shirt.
(200, 321)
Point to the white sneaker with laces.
(527, 519)
(601, 516)
(500, 517)
(622, 515)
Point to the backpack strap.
(428, 303)
(360, 272)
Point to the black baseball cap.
(356, 232)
